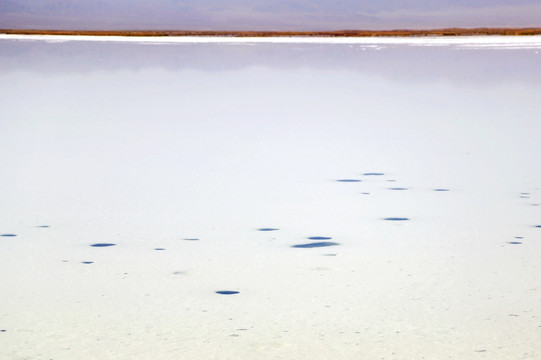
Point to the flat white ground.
(146, 156)
(461, 41)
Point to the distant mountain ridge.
(267, 15)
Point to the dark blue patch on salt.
(8, 235)
(43, 226)
(191, 239)
(514, 242)
(538, 226)
(319, 238)
(442, 190)
(227, 292)
(87, 262)
(373, 174)
(159, 248)
(349, 180)
(398, 188)
(396, 219)
(315, 245)
(268, 229)
(102, 245)
(519, 237)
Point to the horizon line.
(458, 31)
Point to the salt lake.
(274, 199)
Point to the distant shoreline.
(338, 33)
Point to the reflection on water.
(473, 66)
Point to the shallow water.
(194, 147)
(315, 244)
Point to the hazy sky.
(267, 14)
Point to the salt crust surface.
(514, 42)
(145, 159)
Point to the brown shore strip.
(338, 33)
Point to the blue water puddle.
(159, 249)
(442, 189)
(398, 188)
(87, 262)
(191, 239)
(315, 245)
(9, 235)
(319, 238)
(365, 193)
(396, 219)
(538, 226)
(349, 180)
(514, 242)
(227, 292)
(373, 174)
(102, 245)
(268, 229)
(519, 237)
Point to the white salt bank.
(192, 200)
